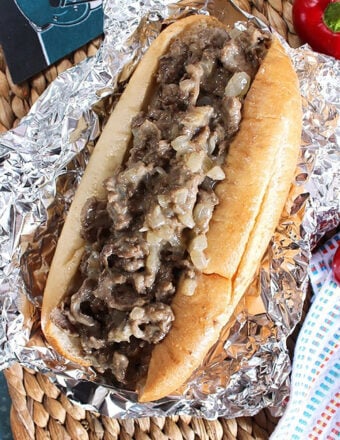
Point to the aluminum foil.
(42, 160)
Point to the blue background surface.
(5, 404)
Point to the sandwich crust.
(270, 127)
(259, 170)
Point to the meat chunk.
(95, 220)
(120, 188)
(171, 66)
(80, 305)
(150, 323)
(145, 138)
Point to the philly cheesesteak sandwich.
(176, 207)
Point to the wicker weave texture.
(41, 411)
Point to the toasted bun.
(259, 168)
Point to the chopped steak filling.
(150, 233)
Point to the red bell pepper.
(317, 22)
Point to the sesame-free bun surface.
(259, 170)
(270, 128)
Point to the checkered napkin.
(313, 411)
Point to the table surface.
(5, 404)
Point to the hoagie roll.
(176, 207)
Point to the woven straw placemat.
(39, 410)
